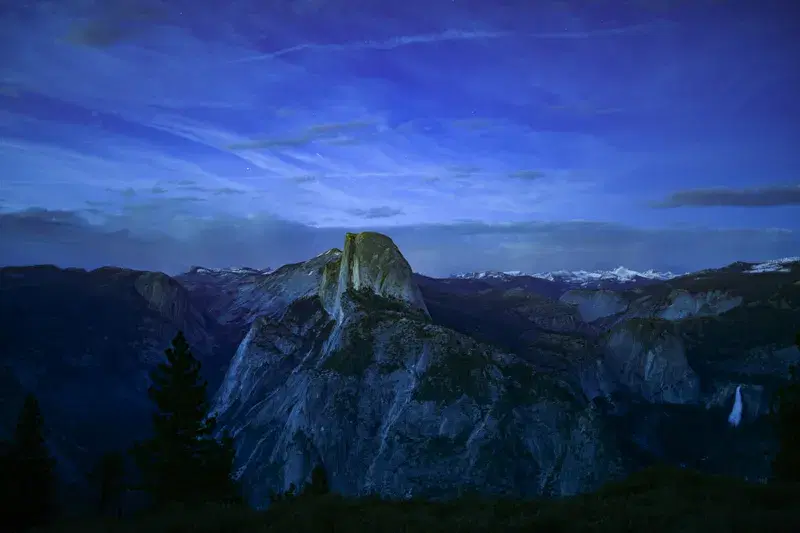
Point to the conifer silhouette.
(29, 480)
(182, 462)
(109, 478)
(786, 416)
(319, 482)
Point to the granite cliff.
(672, 356)
(357, 378)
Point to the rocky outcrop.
(236, 297)
(392, 404)
(684, 304)
(163, 294)
(357, 378)
(702, 346)
(372, 262)
(171, 301)
(647, 357)
(595, 304)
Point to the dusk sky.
(479, 134)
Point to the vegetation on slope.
(653, 501)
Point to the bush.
(655, 500)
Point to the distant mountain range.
(621, 275)
(578, 278)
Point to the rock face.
(371, 262)
(595, 304)
(236, 297)
(662, 361)
(648, 359)
(684, 304)
(84, 342)
(172, 302)
(681, 351)
(358, 379)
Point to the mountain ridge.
(425, 374)
(390, 402)
(582, 277)
(622, 274)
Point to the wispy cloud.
(529, 175)
(387, 44)
(377, 212)
(66, 238)
(437, 127)
(473, 123)
(779, 195)
(119, 21)
(270, 143)
(448, 35)
(329, 132)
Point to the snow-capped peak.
(581, 277)
(774, 265)
(491, 274)
(618, 275)
(231, 271)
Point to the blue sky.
(572, 134)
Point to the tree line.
(183, 463)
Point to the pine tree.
(786, 415)
(109, 478)
(317, 486)
(182, 462)
(319, 482)
(29, 481)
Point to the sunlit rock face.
(357, 378)
(372, 262)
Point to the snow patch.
(620, 274)
(774, 265)
(327, 252)
(231, 271)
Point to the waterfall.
(735, 418)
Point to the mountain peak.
(243, 270)
(371, 261)
(775, 265)
(620, 274)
